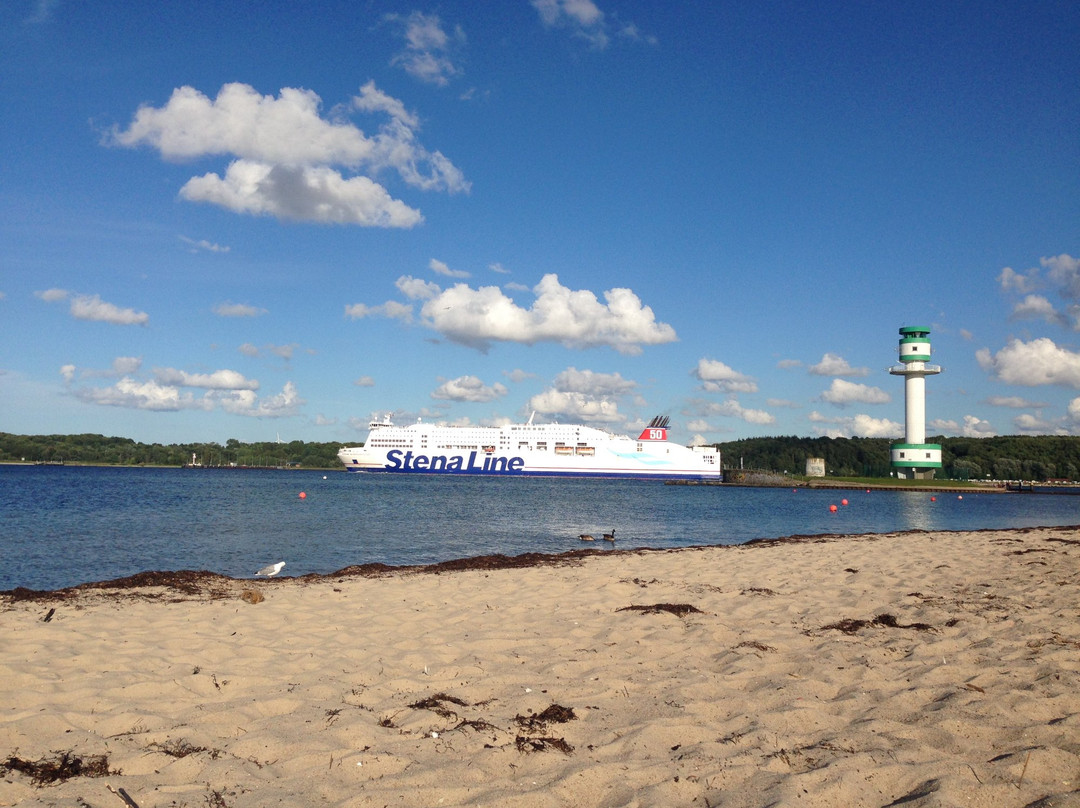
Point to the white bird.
(272, 570)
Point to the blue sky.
(220, 223)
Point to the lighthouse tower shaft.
(915, 458)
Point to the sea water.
(64, 525)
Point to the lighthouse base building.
(915, 459)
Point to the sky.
(255, 221)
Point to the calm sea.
(61, 526)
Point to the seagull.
(272, 570)
(610, 536)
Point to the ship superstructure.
(545, 450)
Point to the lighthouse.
(915, 459)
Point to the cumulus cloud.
(973, 427)
(716, 377)
(575, 406)
(218, 380)
(575, 318)
(247, 403)
(93, 308)
(237, 310)
(1062, 276)
(731, 408)
(834, 365)
(584, 395)
(468, 388)
(429, 50)
(149, 395)
(841, 393)
(862, 426)
(1033, 363)
(285, 153)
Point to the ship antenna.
(533, 415)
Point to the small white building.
(815, 467)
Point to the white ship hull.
(544, 450)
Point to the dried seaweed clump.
(852, 626)
(677, 609)
(58, 769)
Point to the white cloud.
(716, 377)
(787, 364)
(150, 395)
(428, 48)
(592, 383)
(468, 388)
(1012, 281)
(1036, 307)
(575, 406)
(1015, 402)
(301, 193)
(93, 308)
(733, 409)
(68, 372)
(204, 245)
(218, 380)
(842, 393)
(833, 365)
(391, 309)
(975, 427)
(440, 268)
(364, 381)
(237, 310)
(285, 151)
(580, 16)
(517, 375)
(861, 425)
(1064, 270)
(499, 269)
(576, 319)
(245, 402)
(1032, 363)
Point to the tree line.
(1010, 457)
(99, 449)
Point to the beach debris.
(525, 744)
(179, 748)
(130, 803)
(271, 570)
(538, 722)
(48, 616)
(252, 596)
(852, 626)
(436, 705)
(58, 769)
(677, 609)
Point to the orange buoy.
(843, 502)
(933, 499)
(832, 509)
(303, 495)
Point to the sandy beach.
(913, 669)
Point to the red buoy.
(303, 495)
(832, 509)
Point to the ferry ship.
(537, 450)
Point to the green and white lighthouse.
(915, 459)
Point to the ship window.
(640, 447)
